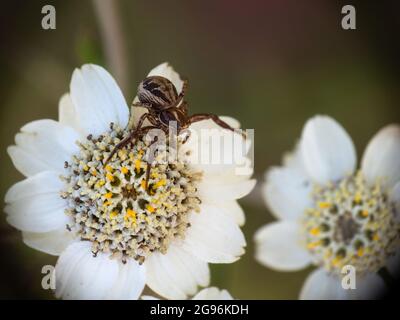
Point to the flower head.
(114, 230)
(332, 215)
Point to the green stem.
(109, 21)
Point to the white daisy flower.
(211, 293)
(331, 215)
(112, 236)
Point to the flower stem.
(109, 20)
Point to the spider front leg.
(130, 138)
(148, 169)
(141, 105)
(186, 133)
(184, 89)
(179, 101)
(209, 116)
(149, 161)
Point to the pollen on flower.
(150, 208)
(116, 210)
(113, 214)
(108, 195)
(124, 170)
(351, 223)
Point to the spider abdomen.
(158, 92)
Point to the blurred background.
(271, 64)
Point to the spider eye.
(149, 85)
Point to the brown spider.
(163, 104)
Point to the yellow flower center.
(351, 223)
(112, 205)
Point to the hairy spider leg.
(184, 89)
(188, 133)
(209, 116)
(206, 116)
(179, 101)
(148, 168)
(129, 138)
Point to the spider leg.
(148, 168)
(181, 110)
(142, 105)
(206, 116)
(143, 131)
(186, 138)
(147, 116)
(184, 88)
(146, 181)
(128, 139)
(179, 101)
(124, 142)
(180, 114)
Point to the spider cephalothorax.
(163, 103)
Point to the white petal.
(213, 293)
(381, 159)
(176, 274)
(234, 123)
(35, 205)
(370, 286)
(327, 150)
(42, 214)
(214, 237)
(130, 282)
(166, 71)
(223, 191)
(323, 286)
(97, 99)
(320, 285)
(79, 275)
(287, 192)
(53, 242)
(66, 113)
(24, 162)
(294, 161)
(43, 145)
(42, 183)
(225, 173)
(278, 246)
(217, 151)
(231, 209)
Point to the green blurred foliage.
(271, 64)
